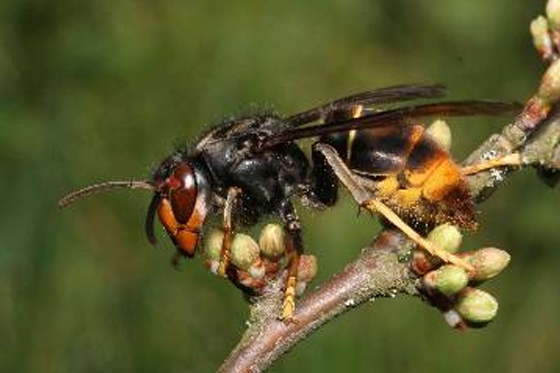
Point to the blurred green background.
(97, 90)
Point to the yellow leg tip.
(288, 309)
(222, 268)
(455, 260)
(289, 303)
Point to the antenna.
(103, 187)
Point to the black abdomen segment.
(378, 152)
(415, 176)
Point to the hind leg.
(513, 159)
(364, 198)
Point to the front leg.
(227, 226)
(294, 249)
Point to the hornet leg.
(294, 249)
(363, 197)
(324, 181)
(513, 159)
(227, 226)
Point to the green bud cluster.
(488, 262)
(271, 241)
(447, 279)
(257, 264)
(213, 249)
(446, 236)
(476, 306)
(244, 251)
(451, 288)
(546, 32)
(549, 89)
(541, 37)
(553, 13)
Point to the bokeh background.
(97, 90)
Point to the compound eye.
(182, 192)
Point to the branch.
(377, 272)
(383, 269)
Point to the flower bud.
(487, 262)
(453, 319)
(446, 236)
(271, 241)
(247, 280)
(213, 245)
(257, 269)
(307, 268)
(549, 90)
(541, 38)
(271, 267)
(441, 133)
(476, 306)
(553, 13)
(300, 288)
(422, 262)
(448, 279)
(244, 251)
(213, 266)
